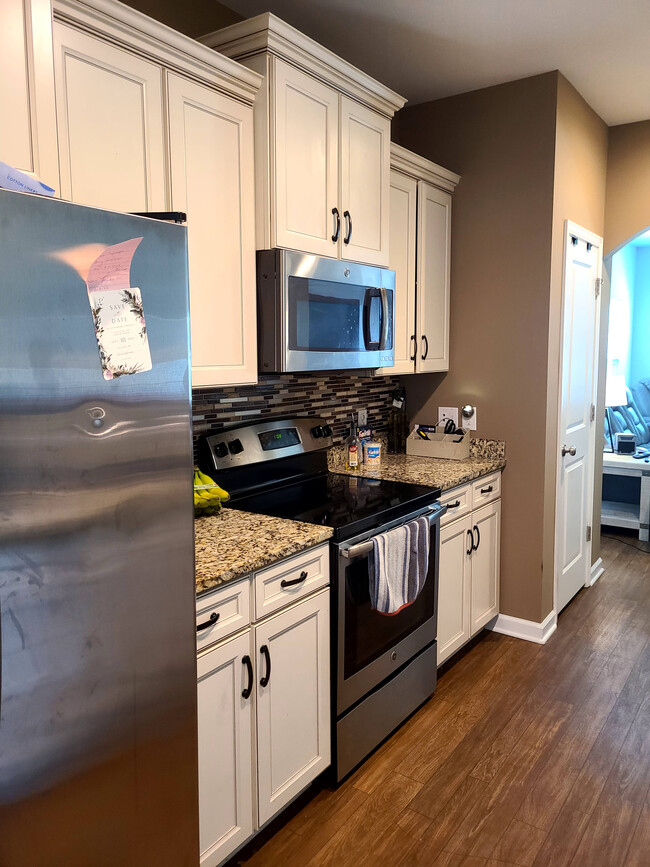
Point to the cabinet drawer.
(291, 579)
(458, 502)
(486, 489)
(229, 610)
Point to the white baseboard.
(526, 629)
(597, 570)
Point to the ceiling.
(427, 49)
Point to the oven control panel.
(263, 441)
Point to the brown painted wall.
(192, 17)
(578, 195)
(628, 183)
(502, 142)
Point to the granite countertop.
(486, 456)
(233, 544)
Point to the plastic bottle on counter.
(372, 453)
(352, 449)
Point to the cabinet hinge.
(598, 285)
(592, 413)
(588, 533)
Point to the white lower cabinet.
(468, 591)
(225, 720)
(293, 729)
(263, 709)
(486, 527)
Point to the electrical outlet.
(446, 412)
(362, 417)
(468, 422)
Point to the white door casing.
(575, 480)
(225, 722)
(211, 163)
(403, 222)
(306, 117)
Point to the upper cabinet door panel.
(16, 126)
(211, 143)
(110, 124)
(365, 183)
(434, 246)
(403, 218)
(306, 161)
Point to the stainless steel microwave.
(322, 314)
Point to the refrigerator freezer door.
(98, 758)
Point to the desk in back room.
(633, 515)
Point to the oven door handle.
(435, 513)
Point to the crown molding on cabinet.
(409, 163)
(151, 39)
(268, 33)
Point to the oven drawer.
(486, 489)
(223, 612)
(290, 580)
(458, 502)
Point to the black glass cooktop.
(348, 504)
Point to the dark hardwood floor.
(527, 755)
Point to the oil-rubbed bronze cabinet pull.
(264, 680)
(487, 490)
(294, 581)
(209, 622)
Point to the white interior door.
(306, 162)
(225, 719)
(403, 221)
(434, 255)
(211, 144)
(110, 124)
(365, 184)
(582, 267)
(293, 688)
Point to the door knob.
(566, 450)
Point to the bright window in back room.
(628, 346)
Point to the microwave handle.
(370, 344)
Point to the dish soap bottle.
(397, 422)
(352, 456)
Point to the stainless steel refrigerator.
(98, 754)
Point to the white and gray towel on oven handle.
(399, 566)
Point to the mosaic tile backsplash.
(332, 396)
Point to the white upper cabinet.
(211, 160)
(28, 127)
(322, 144)
(110, 124)
(306, 161)
(149, 120)
(403, 220)
(420, 249)
(434, 249)
(365, 183)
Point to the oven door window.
(369, 635)
(325, 316)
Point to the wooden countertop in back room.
(486, 456)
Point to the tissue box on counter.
(454, 446)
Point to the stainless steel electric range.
(385, 665)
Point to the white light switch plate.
(362, 418)
(445, 412)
